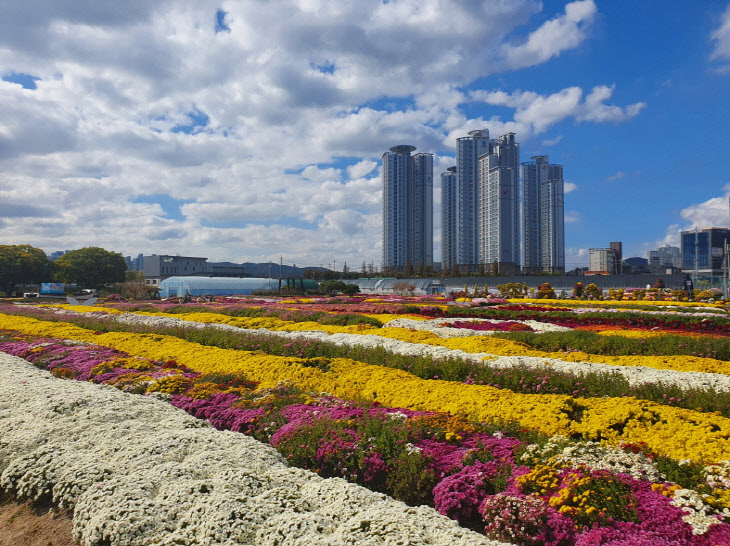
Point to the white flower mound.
(434, 325)
(139, 472)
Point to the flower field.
(526, 422)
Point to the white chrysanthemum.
(139, 472)
(697, 514)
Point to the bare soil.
(33, 524)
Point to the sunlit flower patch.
(617, 470)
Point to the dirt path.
(23, 524)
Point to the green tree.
(22, 264)
(332, 287)
(351, 289)
(91, 267)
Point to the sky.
(252, 131)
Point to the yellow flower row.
(469, 344)
(675, 432)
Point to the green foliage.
(685, 473)
(91, 267)
(594, 343)
(348, 319)
(332, 287)
(22, 264)
(351, 289)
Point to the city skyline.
(248, 131)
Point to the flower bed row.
(469, 474)
(526, 374)
(469, 344)
(572, 318)
(677, 433)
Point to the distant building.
(135, 264)
(703, 250)
(480, 204)
(56, 255)
(468, 183)
(449, 218)
(226, 269)
(542, 216)
(498, 213)
(635, 265)
(601, 261)
(605, 261)
(407, 208)
(159, 267)
(665, 257)
(617, 248)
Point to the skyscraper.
(468, 151)
(542, 216)
(480, 216)
(448, 218)
(407, 208)
(498, 220)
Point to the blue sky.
(250, 131)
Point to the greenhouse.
(174, 287)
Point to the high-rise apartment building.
(498, 215)
(407, 208)
(468, 189)
(480, 215)
(448, 218)
(542, 216)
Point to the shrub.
(545, 291)
(592, 291)
(578, 290)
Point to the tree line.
(90, 267)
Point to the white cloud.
(572, 217)
(316, 174)
(535, 113)
(621, 174)
(671, 238)
(552, 142)
(576, 257)
(147, 100)
(714, 212)
(554, 37)
(721, 37)
(569, 187)
(361, 169)
(618, 176)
